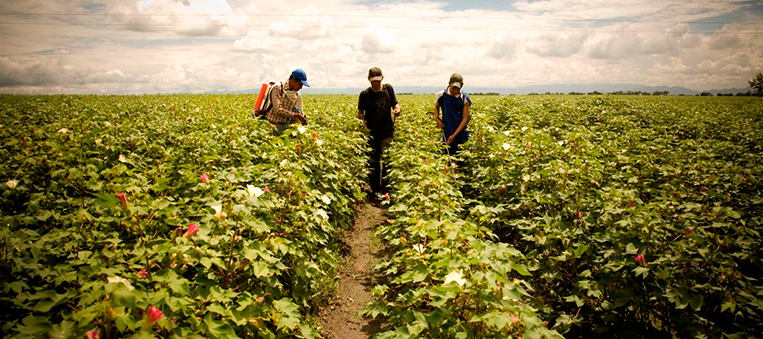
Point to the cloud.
(197, 18)
(505, 47)
(44, 71)
(561, 46)
(377, 40)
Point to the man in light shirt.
(286, 100)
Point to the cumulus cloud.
(44, 71)
(377, 40)
(549, 45)
(197, 18)
(505, 47)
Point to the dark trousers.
(378, 172)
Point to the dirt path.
(356, 279)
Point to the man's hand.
(396, 111)
(299, 117)
(440, 125)
(450, 140)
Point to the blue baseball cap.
(300, 75)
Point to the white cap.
(376, 78)
(456, 84)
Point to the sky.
(201, 46)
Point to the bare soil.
(340, 318)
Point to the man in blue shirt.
(455, 106)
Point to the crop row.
(634, 215)
(169, 216)
(447, 277)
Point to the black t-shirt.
(378, 107)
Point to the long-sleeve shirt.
(284, 101)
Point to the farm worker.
(455, 113)
(287, 102)
(375, 104)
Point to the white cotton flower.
(63, 130)
(506, 146)
(122, 158)
(302, 129)
(12, 184)
(526, 178)
(284, 163)
(107, 124)
(219, 214)
(491, 155)
(490, 128)
(323, 214)
(506, 133)
(213, 126)
(524, 128)
(318, 142)
(326, 199)
(455, 276)
(117, 280)
(254, 191)
(419, 248)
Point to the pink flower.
(689, 231)
(528, 145)
(153, 315)
(426, 161)
(640, 259)
(267, 189)
(580, 214)
(315, 135)
(143, 273)
(192, 229)
(514, 318)
(205, 178)
(94, 334)
(386, 195)
(123, 198)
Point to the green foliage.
(582, 186)
(73, 258)
(448, 277)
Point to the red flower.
(514, 318)
(703, 189)
(500, 189)
(580, 214)
(315, 135)
(631, 204)
(143, 273)
(299, 148)
(689, 231)
(192, 229)
(204, 178)
(528, 145)
(447, 170)
(153, 315)
(94, 334)
(123, 198)
(386, 195)
(426, 161)
(267, 189)
(640, 259)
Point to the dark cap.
(456, 80)
(374, 72)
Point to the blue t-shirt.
(452, 114)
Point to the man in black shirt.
(374, 107)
